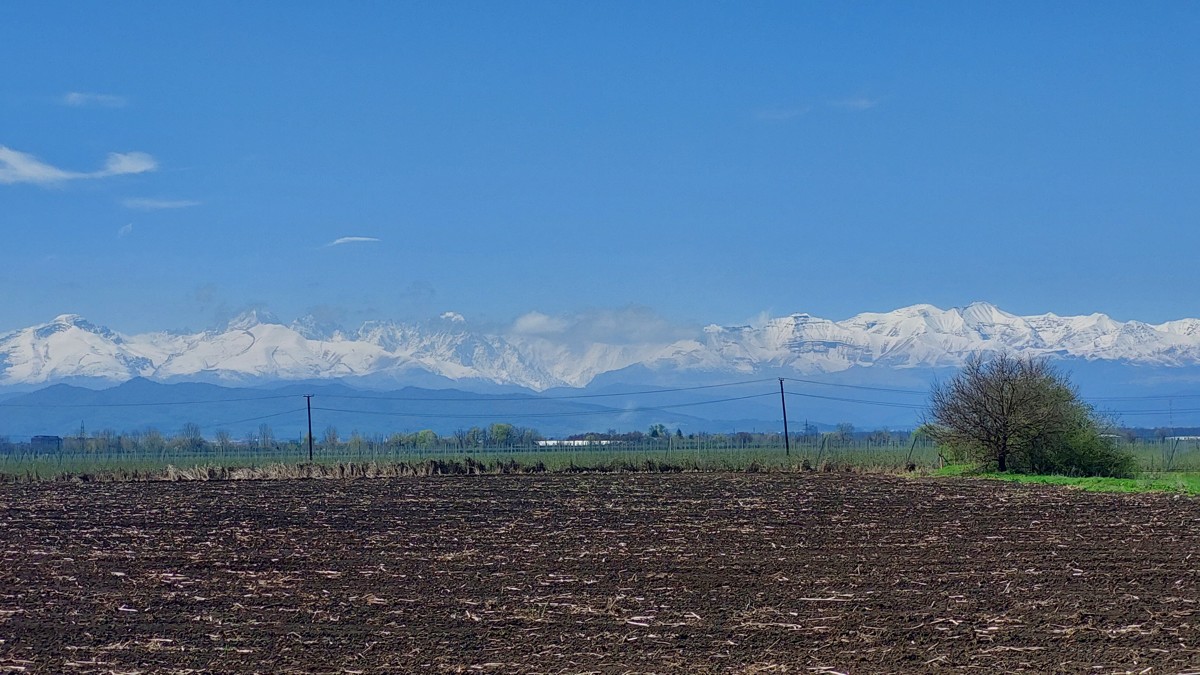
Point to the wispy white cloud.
(20, 167)
(855, 103)
(454, 317)
(121, 163)
(80, 99)
(125, 231)
(628, 326)
(150, 204)
(352, 240)
(536, 323)
(782, 114)
(759, 320)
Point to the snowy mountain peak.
(257, 346)
(313, 328)
(979, 312)
(1185, 327)
(65, 322)
(250, 319)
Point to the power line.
(252, 419)
(886, 404)
(1146, 411)
(535, 397)
(577, 413)
(1143, 398)
(858, 386)
(588, 413)
(230, 423)
(926, 392)
(141, 405)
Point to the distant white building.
(553, 442)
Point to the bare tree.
(191, 436)
(266, 437)
(844, 433)
(1012, 410)
(994, 408)
(331, 437)
(152, 439)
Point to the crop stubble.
(595, 573)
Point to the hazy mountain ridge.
(258, 348)
(62, 409)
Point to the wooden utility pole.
(787, 444)
(308, 405)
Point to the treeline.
(190, 438)
(498, 435)
(844, 434)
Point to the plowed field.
(603, 573)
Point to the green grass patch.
(1181, 482)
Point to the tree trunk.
(1002, 462)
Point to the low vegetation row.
(1165, 465)
(497, 436)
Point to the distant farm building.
(46, 443)
(553, 442)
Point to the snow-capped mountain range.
(258, 348)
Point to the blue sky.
(167, 164)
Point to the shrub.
(1022, 415)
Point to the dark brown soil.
(610, 574)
